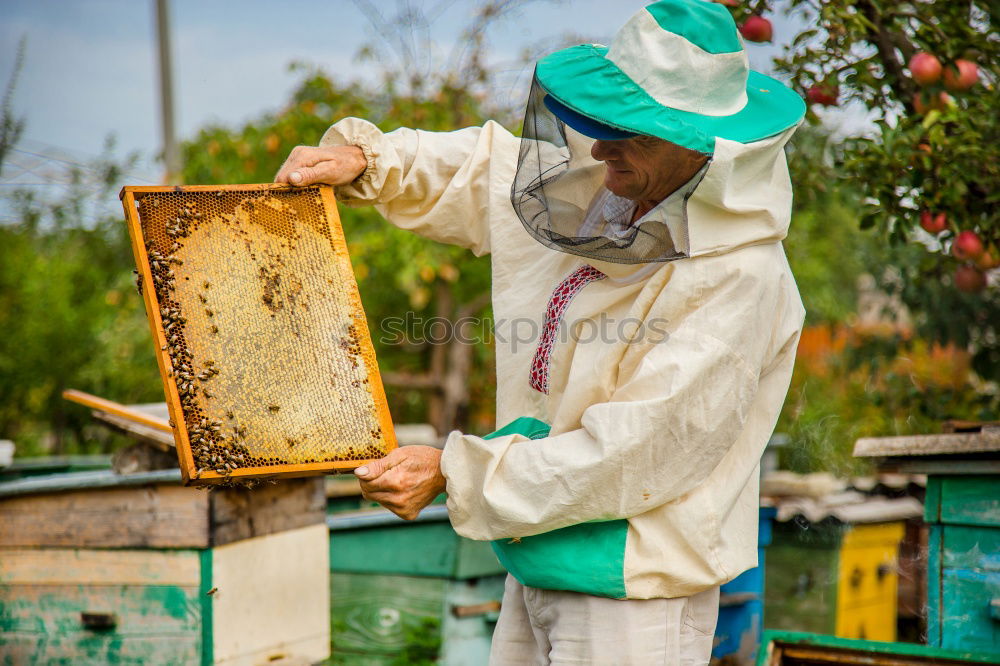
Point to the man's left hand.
(405, 481)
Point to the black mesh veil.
(559, 195)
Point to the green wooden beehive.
(403, 592)
(378, 542)
(796, 648)
(963, 578)
(101, 568)
(962, 510)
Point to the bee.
(273, 408)
(201, 297)
(214, 329)
(206, 284)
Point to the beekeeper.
(636, 225)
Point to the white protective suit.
(664, 431)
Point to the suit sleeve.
(442, 185)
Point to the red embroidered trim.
(558, 302)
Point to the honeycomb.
(266, 359)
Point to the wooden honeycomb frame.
(286, 222)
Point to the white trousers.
(539, 627)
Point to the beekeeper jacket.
(642, 480)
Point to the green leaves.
(71, 319)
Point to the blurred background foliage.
(863, 368)
(71, 316)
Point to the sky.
(90, 68)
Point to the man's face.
(644, 168)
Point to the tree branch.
(422, 382)
(884, 42)
(474, 306)
(933, 26)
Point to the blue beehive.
(741, 604)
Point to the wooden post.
(171, 156)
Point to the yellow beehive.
(261, 339)
(868, 582)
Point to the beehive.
(261, 340)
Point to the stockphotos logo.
(517, 334)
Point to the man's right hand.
(338, 165)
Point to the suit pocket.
(701, 612)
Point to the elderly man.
(649, 189)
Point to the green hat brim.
(581, 78)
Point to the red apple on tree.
(933, 224)
(961, 76)
(756, 29)
(824, 94)
(988, 260)
(967, 246)
(925, 68)
(922, 104)
(969, 279)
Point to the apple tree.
(925, 74)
